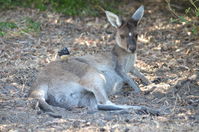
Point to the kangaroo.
(87, 81)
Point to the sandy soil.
(167, 55)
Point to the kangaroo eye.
(122, 36)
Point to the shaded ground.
(167, 55)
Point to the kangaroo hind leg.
(138, 109)
(94, 82)
(40, 93)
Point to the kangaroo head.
(126, 35)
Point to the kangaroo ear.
(137, 16)
(113, 19)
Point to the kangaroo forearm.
(136, 72)
(140, 75)
(129, 81)
(132, 84)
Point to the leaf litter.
(167, 55)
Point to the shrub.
(190, 10)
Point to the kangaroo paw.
(145, 110)
(45, 106)
(54, 114)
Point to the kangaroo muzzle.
(131, 45)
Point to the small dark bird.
(64, 53)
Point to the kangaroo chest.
(113, 82)
(127, 62)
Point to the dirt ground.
(167, 54)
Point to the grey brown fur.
(87, 81)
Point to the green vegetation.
(68, 7)
(5, 26)
(29, 26)
(190, 10)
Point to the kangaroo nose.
(132, 48)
